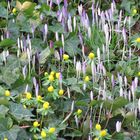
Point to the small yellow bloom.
(139, 73)
(7, 93)
(96, 139)
(98, 127)
(46, 105)
(36, 124)
(57, 75)
(65, 57)
(24, 106)
(103, 133)
(52, 73)
(28, 95)
(138, 40)
(134, 11)
(51, 78)
(91, 55)
(52, 130)
(50, 89)
(5, 138)
(14, 10)
(79, 111)
(61, 92)
(46, 73)
(43, 134)
(86, 79)
(39, 98)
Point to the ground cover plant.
(69, 70)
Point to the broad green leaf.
(82, 103)
(129, 118)
(6, 131)
(3, 12)
(3, 110)
(119, 102)
(76, 88)
(7, 42)
(71, 46)
(74, 134)
(71, 81)
(4, 101)
(43, 56)
(19, 112)
(56, 28)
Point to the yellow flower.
(52, 73)
(96, 139)
(134, 11)
(61, 92)
(98, 127)
(103, 133)
(139, 73)
(57, 75)
(51, 130)
(138, 40)
(46, 105)
(24, 106)
(51, 78)
(14, 10)
(5, 138)
(65, 57)
(86, 79)
(46, 73)
(91, 55)
(50, 89)
(79, 111)
(28, 95)
(43, 134)
(36, 124)
(39, 98)
(7, 93)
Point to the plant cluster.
(69, 70)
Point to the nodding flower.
(118, 126)
(80, 9)
(78, 68)
(74, 23)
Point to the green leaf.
(95, 102)
(56, 28)
(76, 88)
(43, 56)
(119, 102)
(71, 81)
(74, 134)
(7, 42)
(129, 118)
(4, 101)
(5, 131)
(3, 110)
(116, 104)
(19, 112)
(71, 46)
(3, 12)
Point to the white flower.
(89, 32)
(118, 126)
(80, 9)
(56, 36)
(78, 68)
(69, 24)
(74, 23)
(62, 38)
